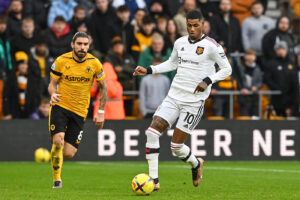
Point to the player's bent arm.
(52, 88)
(103, 94)
(225, 68)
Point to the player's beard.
(80, 54)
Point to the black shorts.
(63, 120)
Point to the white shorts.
(189, 115)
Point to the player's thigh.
(165, 115)
(74, 132)
(189, 117)
(57, 123)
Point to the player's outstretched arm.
(140, 71)
(99, 117)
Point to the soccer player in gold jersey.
(72, 76)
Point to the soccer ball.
(41, 155)
(142, 184)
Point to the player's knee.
(176, 148)
(69, 154)
(58, 140)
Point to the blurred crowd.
(263, 51)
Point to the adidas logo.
(186, 126)
(182, 49)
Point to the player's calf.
(152, 153)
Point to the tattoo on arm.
(103, 94)
(159, 124)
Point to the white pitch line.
(205, 168)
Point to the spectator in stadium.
(221, 103)
(156, 50)
(180, 19)
(172, 32)
(255, 27)
(94, 51)
(143, 37)
(291, 91)
(40, 60)
(122, 62)
(21, 89)
(124, 65)
(59, 37)
(38, 11)
(161, 24)
(149, 95)
(1, 88)
(124, 28)
(114, 107)
(207, 7)
(275, 75)
(78, 19)
(227, 28)
(241, 9)
(4, 5)
(102, 25)
(252, 81)
(207, 30)
(43, 110)
(279, 33)
(26, 39)
(64, 8)
(15, 17)
(5, 46)
(133, 5)
(137, 21)
(158, 8)
(89, 6)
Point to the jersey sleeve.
(99, 73)
(170, 64)
(56, 69)
(218, 55)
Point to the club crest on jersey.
(199, 50)
(88, 69)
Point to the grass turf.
(112, 180)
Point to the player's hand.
(201, 87)
(99, 120)
(140, 71)
(55, 98)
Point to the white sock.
(184, 153)
(152, 151)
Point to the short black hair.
(123, 8)
(194, 14)
(59, 19)
(147, 19)
(78, 35)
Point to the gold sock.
(56, 161)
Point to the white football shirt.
(194, 61)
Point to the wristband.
(207, 80)
(101, 111)
(149, 70)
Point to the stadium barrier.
(231, 94)
(125, 140)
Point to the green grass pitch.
(112, 180)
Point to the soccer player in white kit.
(194, 57)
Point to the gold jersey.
(75, 81)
